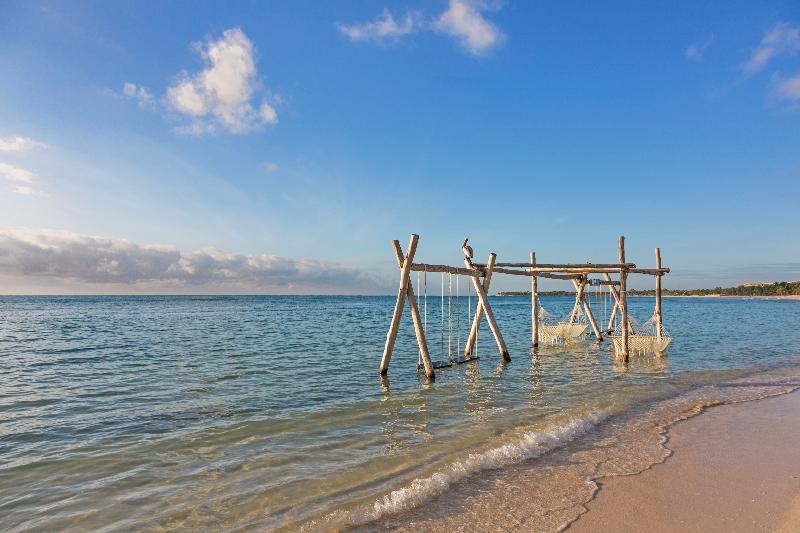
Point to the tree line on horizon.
(779, 288)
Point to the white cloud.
(17, 174)
(696, 51)
(40, 255)
(270, 167)
(464, 21)
(19, 144)
(223, 92)
(268, 113)
(24, 179)
(788, 89)
(783, 38)
(26, 190)
(142, 96)
(383, 27)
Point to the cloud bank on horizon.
(41, 258)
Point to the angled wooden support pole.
(579, 288)
(484, 301)
(534, 304)
(476, 321)
(419, 330)
(623, 299)
(615, 294)
(589, 315)
(405, 282)
(659, 324)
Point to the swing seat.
(646, 338)
(437, 364)
(561, 333)
(642, 343)
(461, 359)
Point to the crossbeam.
(533, 272)
(650, 271)
(566, 266)
(424, 267)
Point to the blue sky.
(280, 146)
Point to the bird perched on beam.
(467, 248)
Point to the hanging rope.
(605, 299)
(419, 350)
(458, 321)
(469, 303)
(449, 317)
(425, 305)
(441, 319)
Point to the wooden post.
(391, 336)
(534, 305)
(659, 324)
(623, 298)
(476, 321)
(589, 315)
(419, 330)
(498, 337)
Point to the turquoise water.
(267, 412)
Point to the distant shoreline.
(779, 290)
(748, 297)
(724, 296)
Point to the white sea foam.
(532, 444)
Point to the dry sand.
(735, 468)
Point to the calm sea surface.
(211, 413)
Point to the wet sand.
(734, 468)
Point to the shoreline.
(553, 491)
(728, 469)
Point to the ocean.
(267, 412)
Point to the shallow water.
(267, 412)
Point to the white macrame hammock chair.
(568, 330)
(645, 338)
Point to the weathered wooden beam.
(534, 304)
(595, 282)
(419, 330)
(577, 271)
(579, 287)
(391, 336)
(615, 294)
(535, 273)
(484, 300)
(476, 321)
(423, 267)
(567, 266)
(623, 299)
(589, 315)
(650, 271)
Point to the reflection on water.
(261, 412)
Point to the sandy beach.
(735, 467)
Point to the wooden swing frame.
(481, 277)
